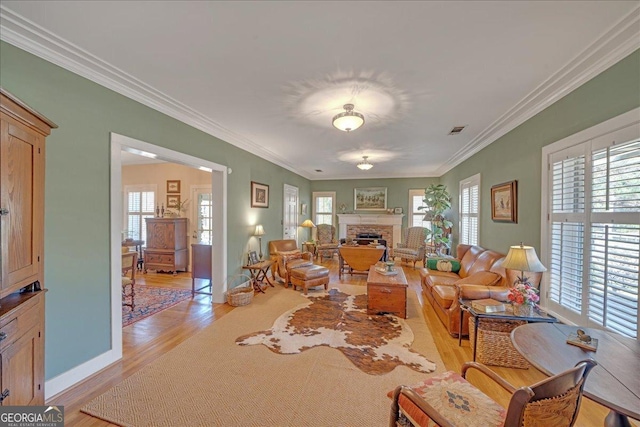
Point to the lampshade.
(259, 230)
(523, 258)
(349, 120)
(307, 223)
(364, 164)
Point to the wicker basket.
(494, 343)
(239, 295)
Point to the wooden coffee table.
(614, 382)
(387, 294)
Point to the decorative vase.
(524, 310)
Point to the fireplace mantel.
(371, 219)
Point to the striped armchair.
(412, 247)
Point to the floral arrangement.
(523, 293)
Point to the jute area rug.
(209, 380)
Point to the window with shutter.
(416, 215)
(324, 207)
(469, 213)
(140, 202)
(593, 231)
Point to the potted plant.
(436, 201)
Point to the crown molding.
(28, 36)
(614, 45)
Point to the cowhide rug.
(375, 344)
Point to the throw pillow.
(452, 265)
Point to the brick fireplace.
(389, 226)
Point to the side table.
(501, 331)
(259, 273)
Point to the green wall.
(518, 154)
(77, 221)
(77, 183)
(397, 191)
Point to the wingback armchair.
(326, 240)
(287, 256)
(412, 247)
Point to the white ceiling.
(268, 76)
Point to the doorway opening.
(211, 197)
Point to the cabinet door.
(21, 198)
(22, 370)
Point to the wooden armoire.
(23, 133)
(166, 245)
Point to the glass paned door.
(203, 215)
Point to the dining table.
(613, 383)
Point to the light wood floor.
(150, 338)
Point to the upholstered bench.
(308, 277)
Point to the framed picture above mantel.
(370, 198)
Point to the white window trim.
(625, 120)
(317, 194)
(472, 181)
(412, 193)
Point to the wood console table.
(387, 294)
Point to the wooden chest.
(387, 294)
(166, 245)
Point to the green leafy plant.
(437, 201)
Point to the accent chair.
(412, 247)
(450, 400)
(287, 256)
(327, 243)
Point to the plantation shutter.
(615, 238)
(140, 205)
(594, 231)
(469, 210)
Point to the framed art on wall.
(504, 202)
(259, 195)
(173, 186)
(173, 200)
(303, 209)
(370, 198)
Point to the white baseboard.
(58, 384)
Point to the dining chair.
(450, 400)
(129, 266)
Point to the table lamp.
(308, 224)
(259, 232)
(523, 258)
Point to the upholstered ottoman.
(308, 277)
(293, 264)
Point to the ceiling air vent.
(456, 130)
(318, 170)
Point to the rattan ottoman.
(308, 277)
(494, 343)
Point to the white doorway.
(290, 213)
(218, 203)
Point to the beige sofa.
(480, 276)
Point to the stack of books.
(487, 305)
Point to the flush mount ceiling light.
(349, 120)
(364, 164)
